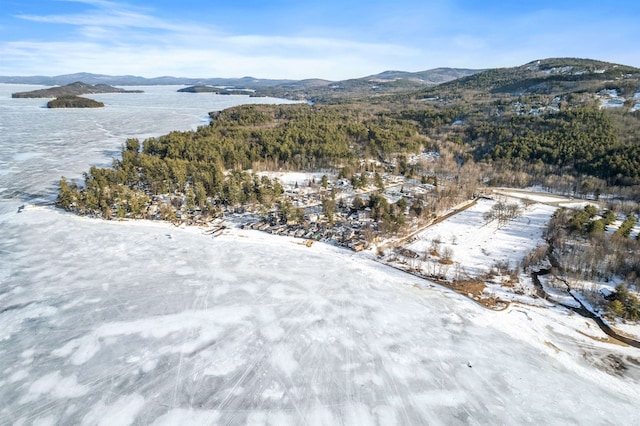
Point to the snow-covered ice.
(260, 328)
(38, 144)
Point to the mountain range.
(553, 76)
(420, 79)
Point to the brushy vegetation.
(584, 251)
(624, 304)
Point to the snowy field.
(145, 323)
(539, 196)
(477, 246)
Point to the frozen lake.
(38, 145)
(144, 323)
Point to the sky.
(286, 39)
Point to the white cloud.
(316, 43)
(45, 58)
(100, 3)
(115, 39)
(110, 18)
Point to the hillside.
(555, 120)
(554, 76)
(432, 77)
(73, 89)
(383, 83)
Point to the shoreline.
(232, 229)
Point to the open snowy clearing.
(478, 250)
(144, 323)
(543, 197)
(290, 179)
(477, 246)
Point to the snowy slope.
(143, 323)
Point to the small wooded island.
(73, 89)
(72, 101)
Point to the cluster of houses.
(521, 108)
(341, 233)
(350, 227)
(350, 224)
(610, 98)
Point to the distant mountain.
(73, 89)
(304, 84)
(433, 76)
(384, 82)
(61, 80)
(216, 90)
(131, 80)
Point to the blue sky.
(304, 39)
